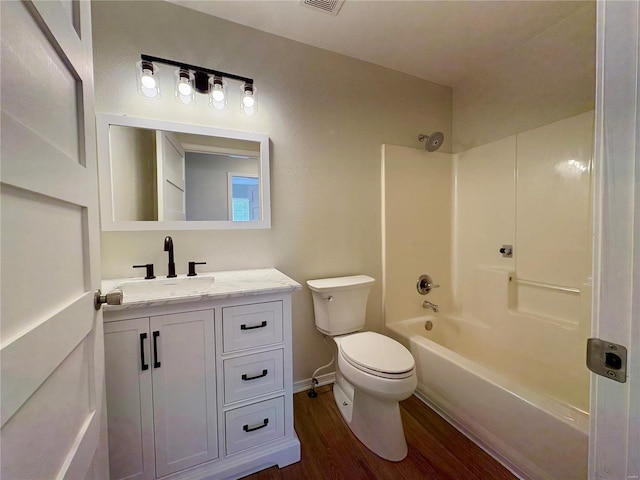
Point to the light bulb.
(248, 99)
(217, 94)
(184, 87)
(147, 80)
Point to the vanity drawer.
(254, 424)
(252, 375)
(253, 325)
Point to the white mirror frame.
(104, 120)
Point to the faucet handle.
(192, 268)
(425, 284)
(149, 267)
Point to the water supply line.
(314, 381)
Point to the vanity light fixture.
(190, 79)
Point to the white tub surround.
(514, 322)
(199, 375)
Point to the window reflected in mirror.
(244, 200)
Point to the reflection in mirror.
(159, 175)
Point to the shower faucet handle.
(425, 284)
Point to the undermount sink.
(166, 287)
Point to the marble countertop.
(138, 292)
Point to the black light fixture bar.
(200, 72)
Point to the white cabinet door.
(184, 399)
(129, 401)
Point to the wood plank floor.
(437, 451)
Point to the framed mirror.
(158, 175)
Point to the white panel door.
(52, 405)
(184, 399)
(171, 177)
(127, 346)
(614, 443)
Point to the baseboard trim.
(304, 385)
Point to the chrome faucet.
(430, 306)
(168, 247)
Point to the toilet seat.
(377, 355)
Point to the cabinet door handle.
(144, 366)
(255, 377)
(247, 428)
(244, 327)
(156, 363)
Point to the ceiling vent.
(332, 7)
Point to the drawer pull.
(255, 377)
(247, 428)
(244, 327)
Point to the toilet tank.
(340, 303)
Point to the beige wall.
(327, 118)
(133, 164)
(549, 78)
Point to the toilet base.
(375, 422)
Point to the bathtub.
(533, 434)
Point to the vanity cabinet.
(200, 389)
(161, 394)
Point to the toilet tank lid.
(340, 283)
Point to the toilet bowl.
(377, 364)
(368, 398)
(373, 373)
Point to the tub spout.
(430, 306)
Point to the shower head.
(431, 142)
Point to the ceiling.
(440, 41)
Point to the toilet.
(373, 373)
